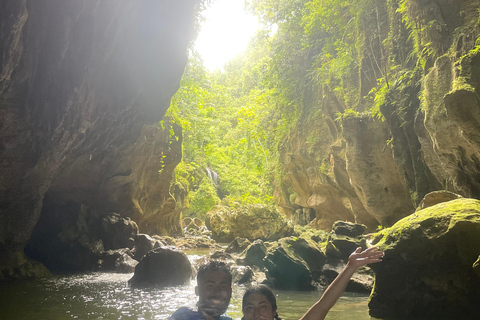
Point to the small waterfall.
(212, 176)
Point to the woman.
(260, 303)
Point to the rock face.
(294, 263)
(162, 267)
(429, 264)
(373, 171)
(81, 85)
(249, 221)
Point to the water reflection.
(108, 296)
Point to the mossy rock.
(293, 263)
(427, 269)
(24, 268)
(249, 221)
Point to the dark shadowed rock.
(118, 232)
(350, 229)
(238, 245)
(120, 260)
(24, 268)
(428, 264)
(221, 255)
(162, 267)
(254, 254)
(242, 274)
(476, 267)
(361, 281)
(144, 244)
(294, 263)
(286, 271)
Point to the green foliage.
(202, 199)
(329, 57)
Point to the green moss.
(433, 221)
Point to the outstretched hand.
(360, 258)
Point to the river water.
(108, 296)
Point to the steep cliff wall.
(82, 83)
(419, 69)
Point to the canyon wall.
(348, 163)
(83, 86)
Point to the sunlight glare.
(225, 33)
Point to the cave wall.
(376, 169)
(82, 85)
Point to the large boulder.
(162, 267)
(294, 263)
(248, 221)
(362, 281)
(344, 239)
(428, 268)
(254, 254)
(76, 241)
(120, 260)
(118, 232)
(238, 245)
(144, 244)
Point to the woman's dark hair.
(267, 292)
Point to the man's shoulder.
(185, 313)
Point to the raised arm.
(357, 259)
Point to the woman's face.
(257, 307)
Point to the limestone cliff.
(82, 84)
(346, 163)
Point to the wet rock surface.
(162, 267)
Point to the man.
(214, 290)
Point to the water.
(108, 296)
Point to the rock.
(361, 282)
(119, 260)
(294, 263)
(349, 229)
(238, 245)
(118, 232)
(476, 267)
(22, 268)
(125, 264)
(286, 271)
(428, 264)
(254, 254)
(248, 221)
(169, 241)
(437, 197)
(144, 244)
(162, 267)
(341, 247)
(242, 274)
(190, 242)
(221, 255)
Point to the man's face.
(214, 293)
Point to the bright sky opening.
(225, 33)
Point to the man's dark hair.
(213, 266)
